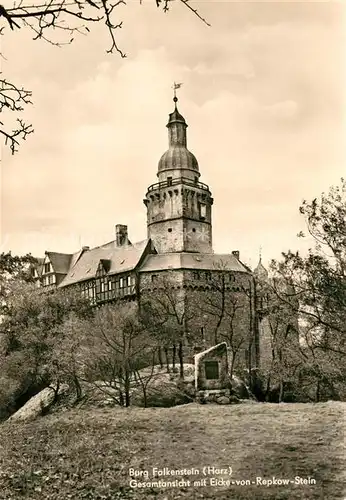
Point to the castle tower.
(178, 205)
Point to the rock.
(223, 400)
(37, 404)
(239, 389)
(234, 400)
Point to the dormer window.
(47, 267)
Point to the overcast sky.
(263, 96)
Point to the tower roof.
(177, 157)
(176, 116)
(260, 271)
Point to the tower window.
(169, 181)
(202, 210)
(196, 180)
(169, 229)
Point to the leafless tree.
(167, 302)
(56, 22)
(223, 302)
(120, 347)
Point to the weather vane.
(175, 87)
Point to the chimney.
(121, 235)
(235, 253)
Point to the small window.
(129, 281)
(47, 267)
(202, 210)
(193, 229)
(121, 282)
(153, 277)
(169, 181)
(110, 285)
(103, 286)
(211, 370)
(196, 180)
(169, 229)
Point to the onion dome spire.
(178, 157)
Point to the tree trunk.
(127, 387)
(77, 387)
(268, 387)
(145, 398)
(281, 391)
(159, 354)
(181, 359)
(174, 355)
(318, 390)
(167, 359)
(121, 398)
(232, 365)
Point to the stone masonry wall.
(205, 325)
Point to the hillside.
(87, 454)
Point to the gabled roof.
(38, 265)
(209, 262)
(121, 259)
(60, 261)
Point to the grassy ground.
(87, 454)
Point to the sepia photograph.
(172, 250)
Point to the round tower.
(179, 206)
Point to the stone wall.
(205, 324)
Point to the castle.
(216, 294)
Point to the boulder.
(223, 400)
(234, 400)
(239, 389)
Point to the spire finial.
(175, 87)
(260, 253)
